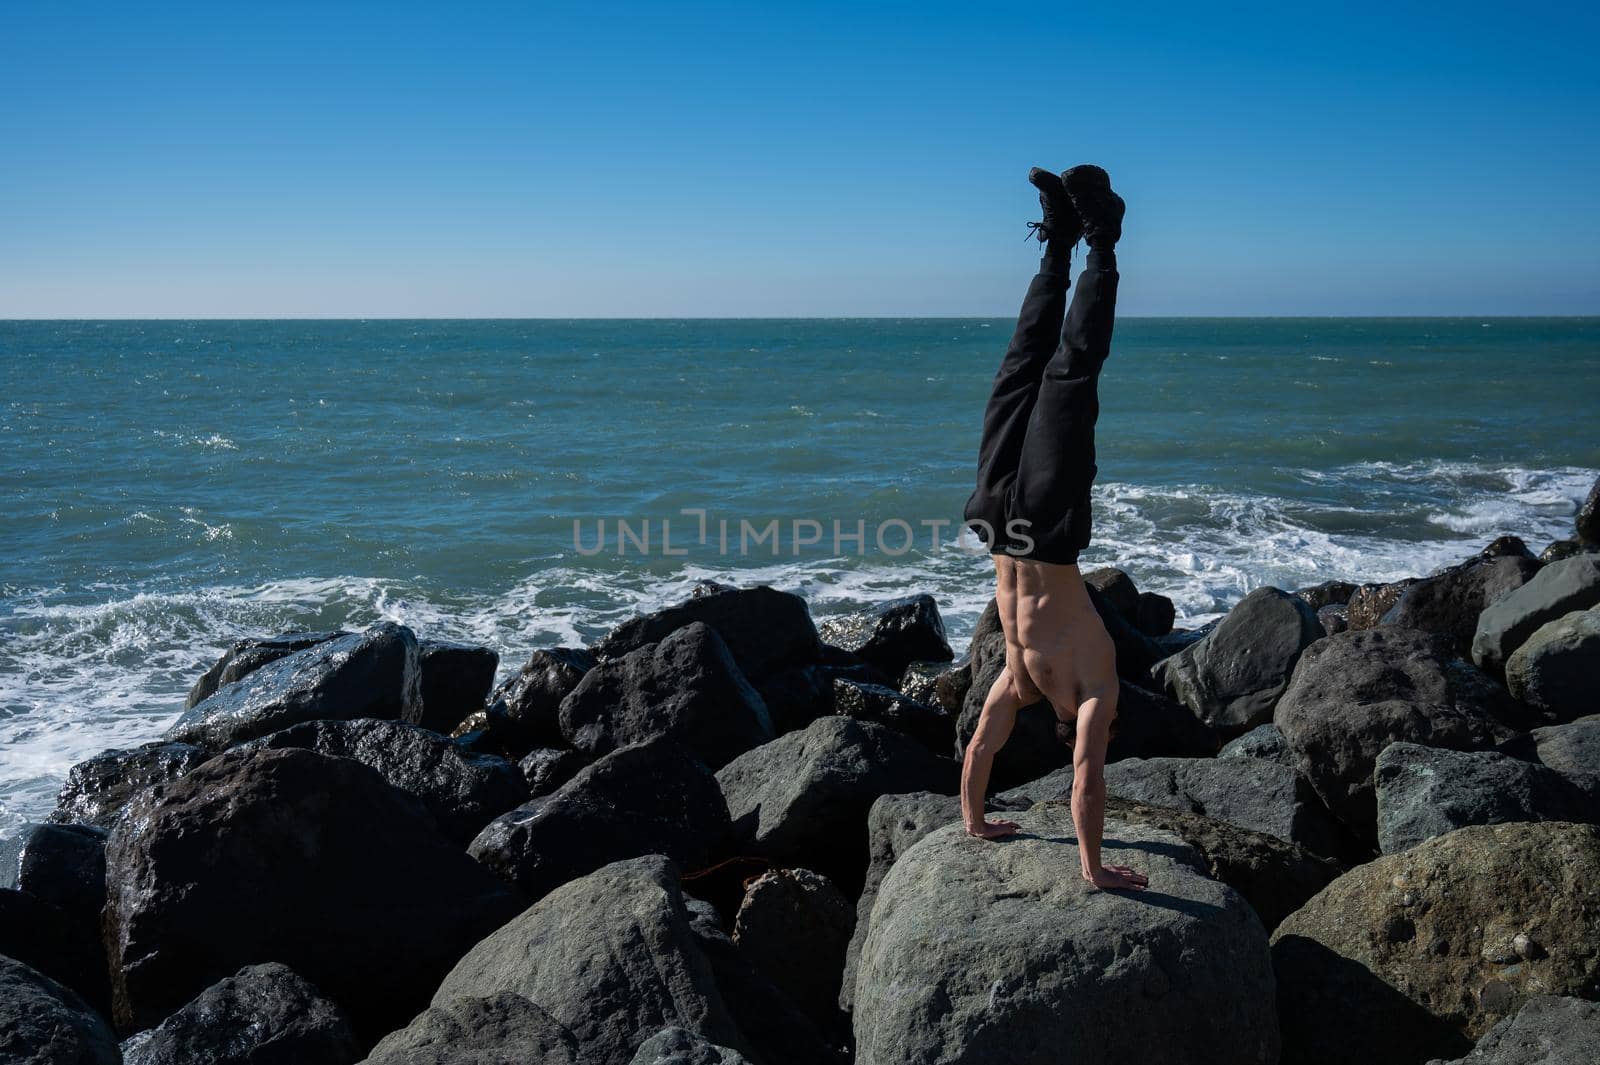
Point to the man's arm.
(1089, 798)
(998, 717)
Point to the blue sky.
(853, 159)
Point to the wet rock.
(1425, 792)
(43, 1023)
(794, 926)
(1333, 618)
(1506, 546)
(892, 635)
(1450, 601)
(650, 798)
(1419, 944)
(1265, 742)
(1155, 614)
(1548, 1030)
(1557, 589)
(97, 789)
(66, 865)
(456, 678)
(1328, 593)
(766, 630)
(928, 725)
(547, 768)
(1042, 960)
(937, 684)
(686, 688)
(1587, 524)
(1369, 602)
(528, 704)
(617, 962)
(1118, 589)
(679, 1046)
(373, 673)
(1560, 549)
(261, 1015)
(502, 1027)
(61, 946)
(244, 656)
(802, 799)
(798, 696)
(1353, 694)
(1556, 671)
(463, 791)
(313, 861)
(1232, 678)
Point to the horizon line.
(787, 318)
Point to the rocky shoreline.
(726, 834)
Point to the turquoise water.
(170, 486)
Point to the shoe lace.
(1039, 230)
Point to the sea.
(171, 486)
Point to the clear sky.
(459, 159)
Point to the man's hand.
(993, 829)
(1118, 876)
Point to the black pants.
(1036, 458)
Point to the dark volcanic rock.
(686, 688)
(892, 635)
(651, 798)
(803, 798)
(679, 1046)
(1118, 589)
(610, 957)
(1556, 671)
(1232, 679)
(1355, 693)
(1573, 750)
(1333, 618)
(1425, 792)
(456, 678)
(1433, 946)
(1450, 601)
(1369, 602)
(366, 674)
(1328, 593)
(243, 656)
(1136, 652)
(262, 1015)
(498, 1028)
(313, 861)
(1504, 546)
(1587, 525)
(928, 725)
(43, 1023)
(97, 789)
(1549, 1030)
(1264, 742)
(65, 947)
(547, 768)
(794, 926)
(463, 791)
(1155, 614)
(983, 951)
(797, 696)
(765, 629)
(66, 864)
(528, 704)
(1558, 589)
(1560, 549)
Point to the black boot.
(1061, 227)
(1100, 209)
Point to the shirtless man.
(1036, 462)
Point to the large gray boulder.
(1233, 677)
(1556, 671)
(1431, 947)
(1573, 750)
(42, 1023)
(293, 856)
(686, 688)
(247, 655)
(679, 1046)
(98, 788)
(649, 798)
(765, 629)
(802, 800)
(1549, 1030)
(1425, 792)
(610, 957)
(502, 1027)
(462, 790)
(1558, 589)
(999, 951)
(1355, 693)
(1265, 742)
(374, 673)
(1450, 601)
(261, 1015)
(892, 635)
